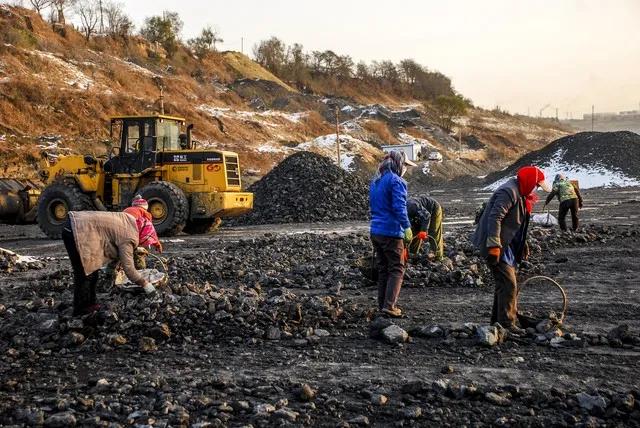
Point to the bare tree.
(89, 14)
(59, 6)
(118, 23)
(38, 5)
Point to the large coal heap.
(307, 187)
(619, 151)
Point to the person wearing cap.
(94, 239)
(149, 239)
(390, 228)
(425, 215)
(570, 200)
(501, 237)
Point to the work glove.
(408, 236)
(405, 256)
(422, 236)
(493, 256)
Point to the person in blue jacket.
(390, 228)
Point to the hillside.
(57, 93)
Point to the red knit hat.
(138, 201)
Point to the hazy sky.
(517, 54)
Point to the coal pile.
(594, 158)
(307, 187)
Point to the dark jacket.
(420, 210)
(503, 217)
(388, 203)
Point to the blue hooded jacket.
(388, 203)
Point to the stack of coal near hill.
(307, 187)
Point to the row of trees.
(104, 16)
(293, 64)
(289, 62)
(108, 17)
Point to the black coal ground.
(216, 357)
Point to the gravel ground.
(271, 325)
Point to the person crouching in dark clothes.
(389, 228)
(94, 239)
(570, 200)
(425, 215)
(501, 237)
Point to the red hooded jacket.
(528, 178)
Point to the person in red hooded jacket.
(139, 210)
(501, 237)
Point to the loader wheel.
(54, 205)
(168, 205)
(198, 227)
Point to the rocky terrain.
(265, 325)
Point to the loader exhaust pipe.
(189, 140)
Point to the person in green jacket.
(425, 215)
(570, 200)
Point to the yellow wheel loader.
(187, 188)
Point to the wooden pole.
(337, 135)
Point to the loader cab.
(140, 139)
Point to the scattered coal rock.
(307, 187)
(10, 262)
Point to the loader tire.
(168, 205)
(54, 205)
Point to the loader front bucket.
(18, 201)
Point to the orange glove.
(422, 236)
(158, 247)
(405, 255)
(493, 256)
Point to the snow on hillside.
(350, 147)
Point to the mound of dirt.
(595, 159)
(307, 187)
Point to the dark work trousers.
(390, 264)
(505, 297)
(566, 206)
(84, 291)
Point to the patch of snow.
(73, 76)
(258, 116)
(351, 126)
(139, 69)
(346, 161)
(348, 109)
(267, 148)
